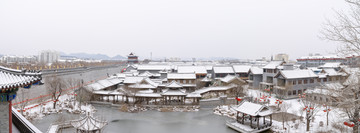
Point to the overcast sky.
(246, 29)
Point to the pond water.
(203, 121)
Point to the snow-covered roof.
(154, 67)
(241, 68)
(333, 72)
(174, 84)
(181, 76)
(229, 78)
(105, 83)
(331, 65)
(145, 83)
(273, 64)
(256, 71)
(213, 88)
(148, 95)
(223, 69)
(142, 86)
(297, 74)
(102, 84)
(133, 80)
(149, 81)
(253, 109)
(322, 75)
(88, 123)
(206, 79)
(149, 74)
(10, 78)
(192, 69)
(315, 69)
(102, 92)
(191, 95)
(94, 86)
(171, 92)
(209, 67)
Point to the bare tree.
(310, 108)
(200, 84)
(346, 30)
(283, 113)
(83, 95)
(55, 86)
(42, 101)
(348, 99)
(23, 100)
(73, 84)
(327, 111)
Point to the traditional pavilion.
(132, 59)
(10, 81)
(252, 117)
(88, 124)
(174, 93)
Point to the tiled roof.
(223, 69)
(10, 78)
(192, 69)
(181, 76)
(241, 68)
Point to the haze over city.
(244, 29)
(180, 66)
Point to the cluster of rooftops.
(11, 80)
(156, 80)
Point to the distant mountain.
(95, 56)
(118, 57)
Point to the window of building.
(314, 97)
(289, 93)
(299, 81)
(330, 79)
(319, 80)
(294, 92)
(337, 78)
(305, 81)
(294, 82)
(311, 81)
(325, 80)
(299, 91)
(320, 98)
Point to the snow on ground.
(66, 102)
(336, 116)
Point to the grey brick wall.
(4, 117)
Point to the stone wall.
(4, 117)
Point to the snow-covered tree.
(346, 30)
(349, 99)
(310, 108)
(55, 86)
(283, 113)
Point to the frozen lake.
(203, 121)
